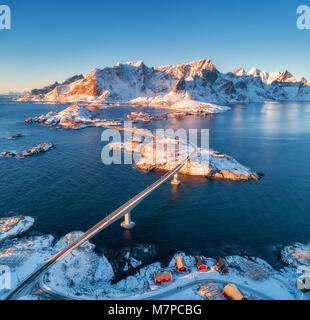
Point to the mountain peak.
(239, 72)
(137, 63)
(203, 64)
(254, 72)
(209, 65)
(286, 76)
(93, 72)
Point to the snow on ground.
(82, 272)
(187, 260)
(141, 285)
(136, 284)
(179, 101)
(194, 105)
(70, 238)
(23, 256)
(296, 257)
(14, 226)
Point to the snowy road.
(166, 292)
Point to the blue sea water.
(69, 188)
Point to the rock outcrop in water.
(15, 136)
(8, 154)
(13, 226)
(165, 153)
(72, 117)
(297, 254)
(43, 147)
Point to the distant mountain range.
(13, 94)
(135, 83)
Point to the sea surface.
(69, 188)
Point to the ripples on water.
(70, 189)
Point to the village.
(5, 17)
(209, 289)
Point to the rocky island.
(43, 147)
(163, 154)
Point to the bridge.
(27, 285)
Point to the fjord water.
(69, 188)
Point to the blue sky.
(52, 40)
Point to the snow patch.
(14, 226)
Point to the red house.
(162, 277)
(179, 264)
(201, 265)
(222, 266)
(232, 293)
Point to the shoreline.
(268, 283)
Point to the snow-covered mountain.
(135, 83)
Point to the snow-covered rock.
(14, 226)
(8, 154)
(138, 283)
(193, 105)
(296, 255)
(42, 147)
(74, 117)
(189, 261)
(256, 269)
(81, 272)
(165, 153)
(129, 259)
